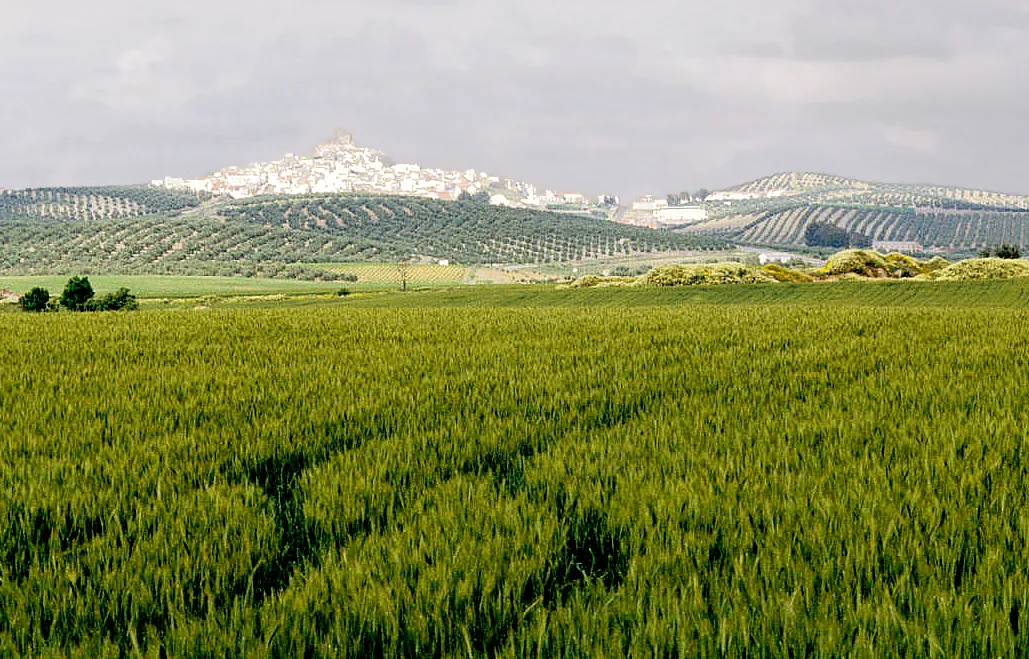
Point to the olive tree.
(35, 300)
(77, 293)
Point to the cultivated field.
(157, 286)
(756, 470)
(782, 206)
(425, 274)
(116, 231)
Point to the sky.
(600, 96)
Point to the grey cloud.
(897, 29)
(650, 96)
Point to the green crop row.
(762, 479)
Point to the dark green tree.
(35, 300)
(120, 300)
(1008, 252)
(77, 293)
(820, 234)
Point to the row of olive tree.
(78, 295)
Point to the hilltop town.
(342, 166)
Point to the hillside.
(94, 203)
(777, 210)
(44, 231)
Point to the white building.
(679, 214)
(648, 203)
(897, 246)
(764, 258)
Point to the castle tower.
(343, 137)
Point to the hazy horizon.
(655, 97)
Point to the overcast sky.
(596, 95)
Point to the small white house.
(680, 214)
(764, 258)
(648, 203)
(906, 246)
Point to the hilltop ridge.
(786, 183)
(341, 166)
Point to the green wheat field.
(764, 471)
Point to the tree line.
(78, 295)
(1005, 251)
(819, 234)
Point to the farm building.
(906, 246)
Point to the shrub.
(121, 300)
(35, 300)
(902, 265)
(1005, 251)
(590, 281)
(626, 271)
(702, 274)
(934, 264)
(992, 268)
(1008, 252)
(863, 262)
(586, 281)
(785, 275)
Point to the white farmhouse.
(679, 215)
(764, 258)
(648, 203)
(906, 246)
